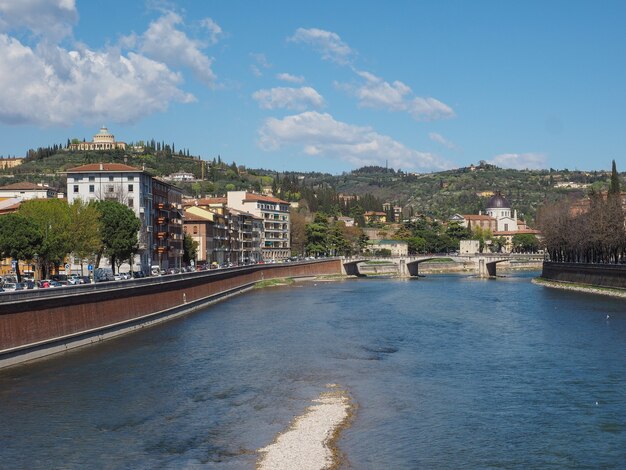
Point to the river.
(447, 371)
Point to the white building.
(122, 183)
(276, 234)
(499, 208)
(103, 140)
(25, 191)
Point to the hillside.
(441, 194)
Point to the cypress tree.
(614, 187)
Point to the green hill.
(440, 194)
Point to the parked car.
(20, 286)
(43, 284)
(9, 287)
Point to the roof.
(207, 201)
(516, 232)
(478, 217)
(498, 201)
(25, 186)
(374, 213)
(9, 205)
(251, 197)
(390, 242)
(109, 167)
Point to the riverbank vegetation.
(590, 231)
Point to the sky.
(326, 86)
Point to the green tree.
(525, 243)
(52, 217)
(119, 227)
(317, 235)
(86, 240)
(20, 239)
(614, 186)
(190, 249)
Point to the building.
(373, 217)
(181, 176)
(25, 190)
(396, 247)
(103, 140)
(274, 212)
(156, 203)
(10, 162)
(499, 220)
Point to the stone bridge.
(484, 263)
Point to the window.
(130, 188)
(92, 188)
(506, 227)
(110, 188)
(75, 188)
(92, 178)
(130, 178)
(131, 203)
(110, 178)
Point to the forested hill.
(440, 194)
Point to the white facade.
(25, 191)
(276, 234)
(121, 183)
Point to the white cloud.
(441, 140)
(214, 29)
(163, 42)
(52, 19)
(520, 161)
(289, 98)
(287, 77)
(320, 134)
(327, 43)
(376, 93)
(50, 85)
(261, 63)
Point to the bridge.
(484, 263)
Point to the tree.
(20, 239)
(52, 217)
(525, 243)
(86, 240)
(298, 231)
(190, 249)
(614, 186)
(317, 235)
(119, 227)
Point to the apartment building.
(274, 213)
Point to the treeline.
(586, 234)
(324, 198)
(47, 231)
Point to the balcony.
(161, 249)
(161, 220)
(162, 235)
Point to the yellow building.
(6, 163)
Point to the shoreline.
(577, 287)
(310, 441)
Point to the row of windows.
(93, 178)
(109, 188)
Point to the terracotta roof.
(478, 217)
(25, 185)
(258, 197)
(515, 232)
(92, 167)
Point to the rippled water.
(447, 372)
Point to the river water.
(446, 372)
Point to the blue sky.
(325, 85)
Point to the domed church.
(499, 208)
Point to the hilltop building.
(103, 140)
(11, 162)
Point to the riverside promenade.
(38, 323)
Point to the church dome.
(498, 201)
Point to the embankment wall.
(38, 323)
(602, 275)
